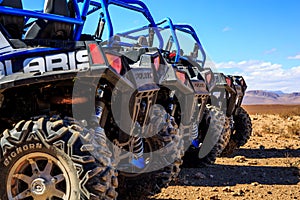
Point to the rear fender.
(178, 81)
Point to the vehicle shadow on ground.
(267, 153)
(230, 175)
(221, 175)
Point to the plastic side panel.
(4, 45)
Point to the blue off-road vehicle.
(185, 56)
(226, 96)
(233, 91)
(217, 124)
(76, 111)
(166, 149)
(185, 51)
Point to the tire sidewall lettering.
(19, 150)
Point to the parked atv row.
(221, 125)
(225, 99)
(88, 117)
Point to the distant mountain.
(270, 97)
(261, 93)
(294, 94)
(277, 92)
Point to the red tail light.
(96, 55)
(157, 62)
(115, 62)
(181, 76)
(242, 82)
(208, 77)
(228, 81)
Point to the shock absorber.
(194, 130)
(137, 148)
(96, 117)
(138, 152)
(195, 124)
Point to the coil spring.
(138, 147)
(195, 130)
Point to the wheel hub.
(38, 186)
(38, 176)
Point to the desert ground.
(267, 167)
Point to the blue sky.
(259, 39)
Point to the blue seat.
(12, 24)
(44, 29)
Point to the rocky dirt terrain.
(267, 167)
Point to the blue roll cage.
(88, 8)
(173, 27)
(184, 28)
